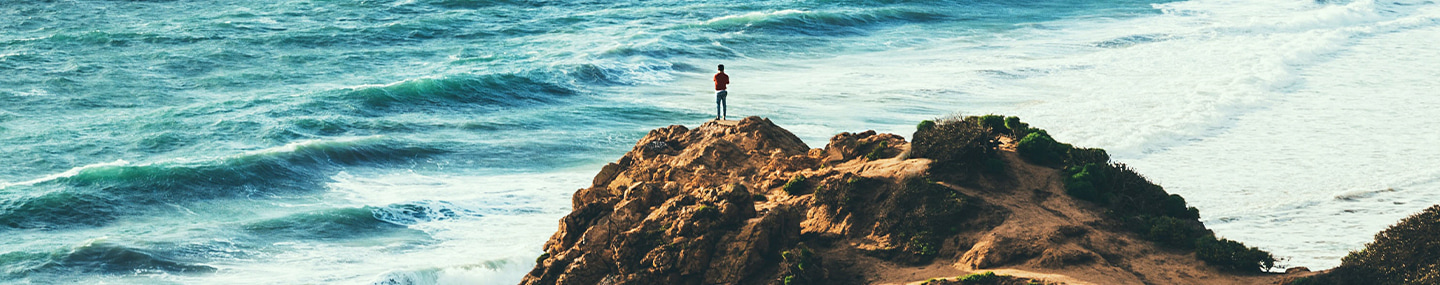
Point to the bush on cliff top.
(1159, 216)
(1232, 255)
(1039, 148)
(1408, 251)
(1017, 129)
(983, 278)
(1125, 192)
(1405, 253)
(954, 143)
(994, 123)
(1145, 208)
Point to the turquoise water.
(421, 142)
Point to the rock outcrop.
(750, 203)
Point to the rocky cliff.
(747, 202)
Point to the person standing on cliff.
(721, 79)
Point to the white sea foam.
(508, 217)
(67, 173)
(752, 17)
(287, 148)
(301, 144)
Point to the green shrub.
(878, 152)
(1405, 253)
(1017, 129)
(800, 257)
(707, 212)
(1172, 231)
(841, 195)
(1233, 255)
(542, 257)
(1080, 183)
(795, 185)
(954, 144)
(925, 126)
(995, 123)
(984, 278)
(1079, 156)
(1409, 249)
(800, 266)
(1039, 148)
(1129, 193)
(1175, 206)
(922, 244)
(988, 277)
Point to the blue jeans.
(720, 103)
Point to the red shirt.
(720, 80)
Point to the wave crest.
(817, 23)
(454, 92)
(96, 194)
(98, 256)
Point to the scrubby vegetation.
(707, 212)
(985, 278)
(925, 125)
(1115, 185)
(954, 143)
(1158, 216)
(799, 266)
(842, 194)
(994, 123)
(1406, 253)
(1017, 128)
(1039, 148)
(981, 278)
(1232, 255)
(1144, 208)
(795, 186)
(878, 152)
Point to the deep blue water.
(438, 141)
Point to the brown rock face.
(750, 203)
(681, 208)
(678, 209)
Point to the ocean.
(438, 141)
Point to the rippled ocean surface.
(425, 142)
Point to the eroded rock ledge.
(750, 203)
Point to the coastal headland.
(969, 200)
